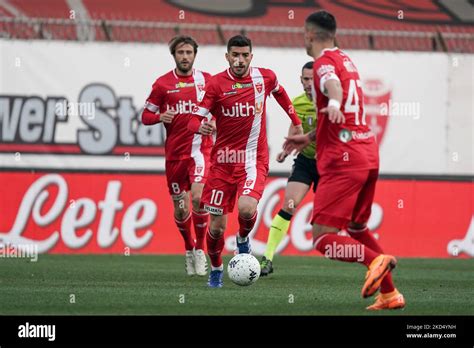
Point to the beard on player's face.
(239, 69)
(184, 65)
(239, 59)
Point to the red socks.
(246, 225)
(214, 249)
(200, 221)
(184, 228)
(343, 248)
(365, 237)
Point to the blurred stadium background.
(80, 175)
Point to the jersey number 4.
(352, 102)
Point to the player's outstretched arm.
(296, 143)
(282, 98)
(292, 130)
(334, 93)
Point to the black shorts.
(304, 170)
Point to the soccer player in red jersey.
(171, 101)
(347, 161)
(236, 98)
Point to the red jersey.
(350, 145)
(180, 93)
(238, 105)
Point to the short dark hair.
(182, 39)
(239, 41)
(308, 65)
(325, 24)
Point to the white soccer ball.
(243, 269)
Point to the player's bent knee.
(321, 229)
(196, 201)
(247, 211)
(217, 231)
(180, 213)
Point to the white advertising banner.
(79, 105)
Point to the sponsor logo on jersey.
(213, 210)
(172, 91)
(362, 135)
(242, 85)
(239, 110)
(184, 84)
(324, 69)
(229, 93)
(345, 135)
(182, 107)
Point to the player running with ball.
(236, 97)
(171, 101)
(348, 164)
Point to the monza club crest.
(259, 87)
(377, 96)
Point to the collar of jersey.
(328, 49)
(233, 77)
(182, 76)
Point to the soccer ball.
(243, 269)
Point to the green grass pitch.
(157, 285)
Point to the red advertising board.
(117, 213)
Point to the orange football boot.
(391, 300)
(378, 269)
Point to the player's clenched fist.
(167, 116)
(207, 128)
